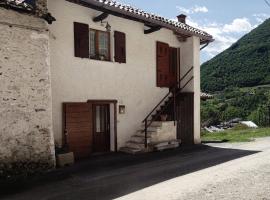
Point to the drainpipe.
(204, 46)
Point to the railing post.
(174, 105)
(145, 133)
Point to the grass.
(236, 135)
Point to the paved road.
(217, 171)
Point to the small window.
(99, 45)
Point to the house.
(103, 77)
(206, 96)
(111, 65)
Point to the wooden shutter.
(81, 40)
(120, 47)
(163, 65)
(173, 67)
(79, 128)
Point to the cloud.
(238, 25)
(224, 34)
(222, 40)
(192, 10)
(183, 10)
(202, 9)
(261, 17)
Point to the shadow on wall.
(115, 175)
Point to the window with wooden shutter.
(99, 45)
(167, 65)
(81, 40)
(120, 47)
(163, 65)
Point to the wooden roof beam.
(131, 16)
(152, 29)
(181, 37)
(101, 17)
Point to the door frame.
(114, 102)
(109, 102)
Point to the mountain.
(245, 64)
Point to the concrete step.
(169, 146)
(148, 130)
(151, 128)
(130, 150)
(165, 145)
(140, 139)
(153, 124)
(135, 145)
(141, 133)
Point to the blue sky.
(226, 20)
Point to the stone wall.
(41, 7)
(26, 138)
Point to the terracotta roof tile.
(138, 12)
(27, 5)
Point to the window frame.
(97, 42)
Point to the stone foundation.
(165, 132)
(26, 138)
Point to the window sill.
(100, 60)
(109, 61)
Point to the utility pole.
(267, 2)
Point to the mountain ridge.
(245, 64)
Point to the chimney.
(182, 18)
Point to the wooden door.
(185, 114)
(78, 128)
(163, 64)
(101, 120)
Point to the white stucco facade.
(190, 56)
(132, 84)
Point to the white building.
(92, 79)
(111, 64)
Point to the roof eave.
(122, 13)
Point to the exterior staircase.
(161, 136)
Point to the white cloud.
(183, 10)
(238, 25)
(222, 40)
(201, 9)
(224, 34)
(261, 17)
(192, 10)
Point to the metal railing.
(176, 90)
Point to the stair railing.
(176, 90)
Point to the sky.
(226, 20)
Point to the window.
(95, 44)
(99, 46)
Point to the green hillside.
(245, 64)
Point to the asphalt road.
(216, 171)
